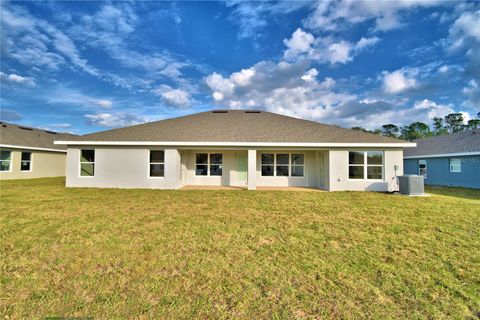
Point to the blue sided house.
(446, 160)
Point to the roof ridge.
(143, 124)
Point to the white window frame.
(29, 161)
(80, 164)
(9, 161)
(149, 163)
(424, 162)
(208, 164)
(365, 166)
(455, 168)
(289, 165)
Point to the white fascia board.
(442, 155)
(30, 148)
(236, 144)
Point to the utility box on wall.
(411, 184)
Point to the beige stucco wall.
(311, 172)
(338, 173)
(44, 164)
(128, 167)
(124, 167)
(229, 174)
(231, 178)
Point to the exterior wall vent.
(253, 111)
(219, 111)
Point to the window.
(365, 165)
(356, 165)
(157, 163)
(26, 163)
(374, 165)
(208, 164)
(298, 164)
(282, 164)
(216, 164)
(268, 164)
(5, 160)
(455, 165)
(422, 168)
(87, 163)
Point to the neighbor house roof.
(460, 143)
(234, 128)
(23, 137)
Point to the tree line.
(453, 122)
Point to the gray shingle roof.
(236, 126)
(18, 135)
(460, 142)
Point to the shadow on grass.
(454, 192)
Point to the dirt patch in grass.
(108, 253)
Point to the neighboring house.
(447, 160)
(234, 148)
(27, 152)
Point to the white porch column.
(252, 169)
(172, 168)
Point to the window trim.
(10, 164)
(289, 165)
(365, 165)
(149, 163)
(80, 164)
(459, 165)
(207, 164)
(419, 163)
(29, 161)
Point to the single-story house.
(447, 160)
(234, 148)
(27, 152)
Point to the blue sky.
(89, 66)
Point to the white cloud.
(104, 103)
(9, 115)
(36, 42)
(333, 15)
(15, 78)
(66, 96)
(253, 16)
(310, 75)
(472, 91)
(114, 119)
(427, 110)
(287, 88)
(372, 113)
(174, 97)
(443, 69)
(464, 35)
(243, 77)
(399, 81)
(324, 50)
(366, 42)
(219, 84)
(301, 42)
(217, 96)
(109, 27)
(466, 27)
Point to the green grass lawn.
(108, 253)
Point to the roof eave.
(238, 144)
(442, 155)
(11, 146)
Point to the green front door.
(241, 159)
